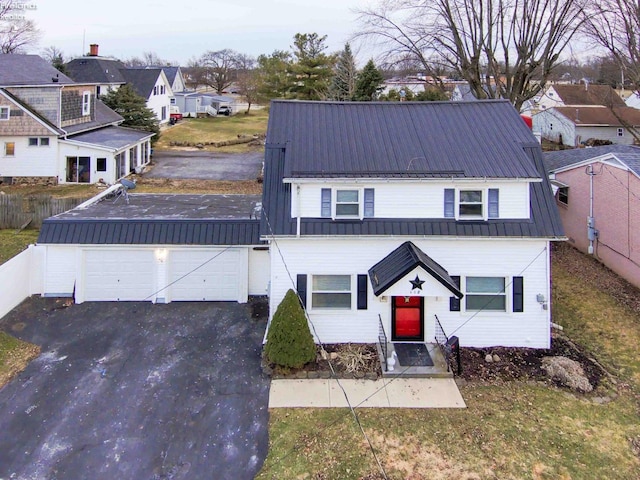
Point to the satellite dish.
(128, 184)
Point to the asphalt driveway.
(206, 165)
(136, 390)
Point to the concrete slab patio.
(383, 393)
(136, 391)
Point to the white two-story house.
(392, 215)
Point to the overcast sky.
(178, 31)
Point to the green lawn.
(12, 242)
(216, 129)
(512, 430)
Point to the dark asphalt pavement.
(136, 391)
(206, 165)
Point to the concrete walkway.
(383, 393)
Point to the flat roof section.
(160, 206)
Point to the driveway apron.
(136, 391)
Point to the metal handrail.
(442, 341)
(382, 340)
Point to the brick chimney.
(93, 50)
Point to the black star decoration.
(417, 283)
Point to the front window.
(486, 294)
(470, 204)
(4, 113)
(9, 149)
(331, 292)
(347, 203)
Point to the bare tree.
(55, 57)
(247, 79)
(502, 48)
(219, 67)
(615, 25)
(16, 32)
(148, 59)
(194, 74)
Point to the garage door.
(211, 275)
(118, 275)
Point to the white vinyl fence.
(20, 277)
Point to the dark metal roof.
(95, 70)
(401, 139)
(544, 220)
(16, 69)
(142, 79)
(115, 138)
(401, 261)
(150, 219)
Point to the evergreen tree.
(133, 108)
(343, 85)
(313, 69)
(273, 78)
(368, 83)
(289, 341)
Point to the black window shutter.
(362, 292)
(518, 294)
(494, 203)
(326, 203)
(301, 281)
(449, 202)
(369, 202)
(454, 302)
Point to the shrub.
(289, 341)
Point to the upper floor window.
(347, 203)
(86, 103)
(155, 90)
(471, 204)
(35, 141)
(4, 113)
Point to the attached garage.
(117, 275)
(136, 255)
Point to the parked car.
(224, 110)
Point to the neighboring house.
(175, 78)
(561, 95)
(54, 129)
(633, 100)
(575, 125)
(462, 93)
(606, 179)
(151, 83)
(193, 104)
(392, 215)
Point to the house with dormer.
(151, 83)
(55, 130)
(403, 217)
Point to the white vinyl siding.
(491, 258)
(407, 199)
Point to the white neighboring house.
(54, 129)
(151, 83)
(633, 100)
(575, 125)
(398, 214)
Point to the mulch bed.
(524, 364)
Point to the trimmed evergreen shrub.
(289, 341)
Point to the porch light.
(161, 254)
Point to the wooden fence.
(19, 211)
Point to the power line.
(333, 372)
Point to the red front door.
(407, 318)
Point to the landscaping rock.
(496, 357)
(567, 372)
(488, 358)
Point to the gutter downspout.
(297, 211)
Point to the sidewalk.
(382, 393)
